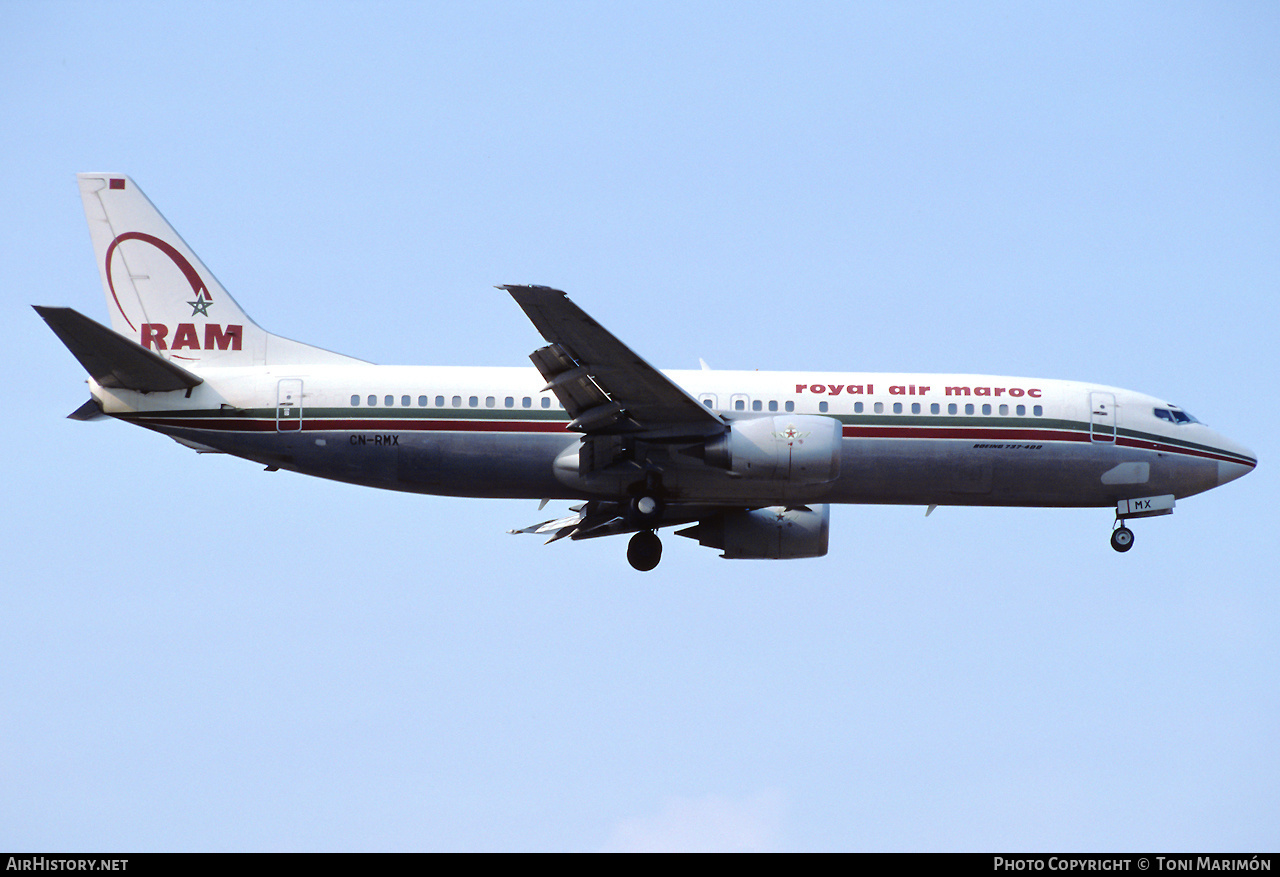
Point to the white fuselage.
(906, 438)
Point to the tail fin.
(161, 295)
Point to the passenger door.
(1102, 417)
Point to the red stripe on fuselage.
(1189, 452)
(976, 433)
(980, 433)
(324, 424)
(988, 434)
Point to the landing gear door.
(289, 405)
(1102, 417)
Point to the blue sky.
(199, 655)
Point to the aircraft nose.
(1232, 471)
(1243, 465)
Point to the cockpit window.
(1174, 415)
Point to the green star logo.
(201, 304)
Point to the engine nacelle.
(775, 533)
(803, 448)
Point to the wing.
(606, 518)
(602, 383)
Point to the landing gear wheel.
(644, 550)
(646, 507)
(1122, 539)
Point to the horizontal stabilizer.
(90, 410)
(112, 359)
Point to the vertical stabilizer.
(161, 295)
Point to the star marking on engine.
(790, 434)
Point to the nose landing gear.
(1139, 507)
(1121, 537)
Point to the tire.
(644, 550)
(1122, 539)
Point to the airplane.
(748, 462)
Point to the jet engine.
(804, 449)
(776, 533)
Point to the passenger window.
(473, 401)
(355, 401)
(756, 405)
(489, 401)
(422, 401)
(897, 407)
(986, 409)
(915, 407)
(1004, 410)
(879, 408)
(405, 401)
(457, 401)
(1038, 410)
(740, 405)
(439, 401)
(546, 402)
(1021, 410)
(822, 406)
(951, 408)
(706, 402)
(510, 402)
(968, 408)
(526, 402)
(773, 404)
(372, 400)
(857, 407)
(791, 406)
(935, 408)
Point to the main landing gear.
(645, 510)
(644, 550)
(646, 507)
(1121, 537)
